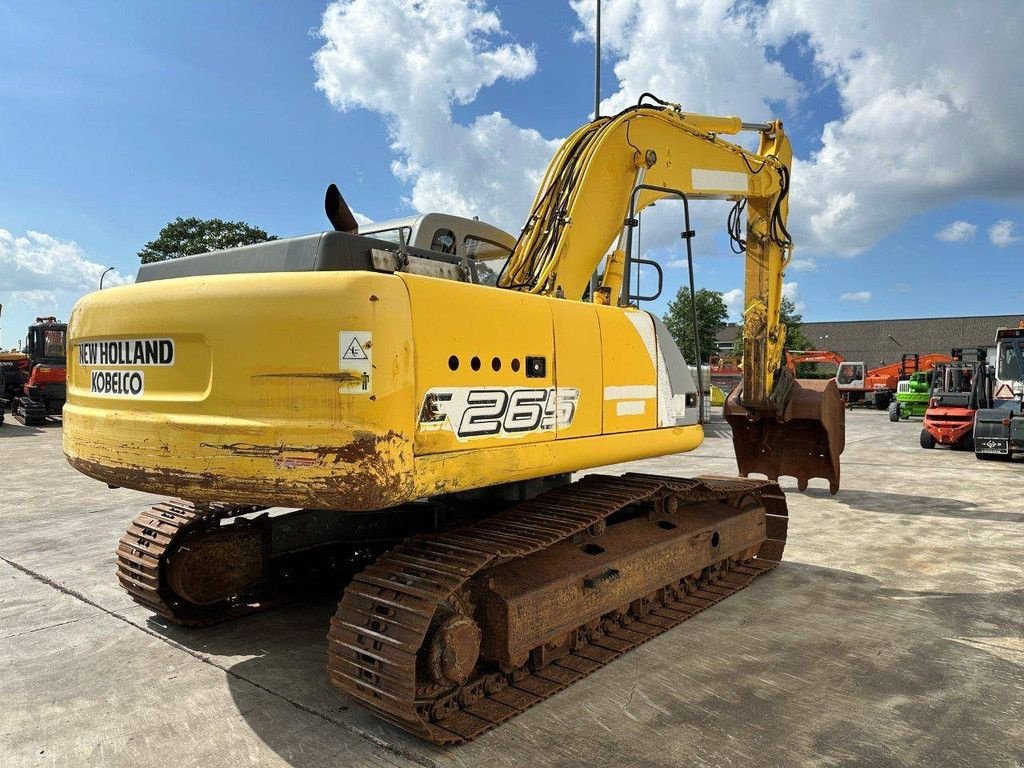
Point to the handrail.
(687, 235)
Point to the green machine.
(911, 396)
(914, 392)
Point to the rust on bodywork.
(371, 472)
(342, 377)
(803, 441)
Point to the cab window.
(490, 258)
(848, 374)
(53, 343)
(443, 241)
(398, 235)
(1010, 367)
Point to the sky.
(115, 118)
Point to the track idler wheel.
(454, 650)
(210, 568)
(31, 413)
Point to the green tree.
(711, 315)
(795, 339)
(187, 237)
(788, 315)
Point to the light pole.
(108, 269)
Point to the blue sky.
(115, 118)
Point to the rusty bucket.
(804, 441)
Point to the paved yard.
(893, 635)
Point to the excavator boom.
(607, 172)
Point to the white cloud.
(791, 291)
(887, 156)
(411, 61)
(37, 264)
(1002, 233)
(859, 296)
(957, 231)
(734, 301)
(44, 275)
(803, 265)
(35, 298)
(721, 68)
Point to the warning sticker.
(355, 362)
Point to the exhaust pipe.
(339, 213)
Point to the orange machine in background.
(813, 356)
(877, 386)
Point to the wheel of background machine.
(927, 441)
(894, 411)
(967, 443)
(882, 401)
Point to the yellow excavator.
(414, 433)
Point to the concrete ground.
(892, 635)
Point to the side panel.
(677, 390)
(578, 366)
(629, 358)
(475, 388)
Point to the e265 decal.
(472, 412)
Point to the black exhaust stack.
(339, 213)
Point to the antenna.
(597, 63)
(597, 107)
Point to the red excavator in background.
(34, 379)
(877, 386)
(813, 357)
(725, 371)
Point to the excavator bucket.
(803, 442)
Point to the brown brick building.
(883, 341)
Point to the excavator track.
(148, 543)
(31, 413)
(186, 563)
(406, 620)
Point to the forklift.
(999, 429)
(959, 390)
(913, 393)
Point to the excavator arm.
(813, 357)
(610, 169)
